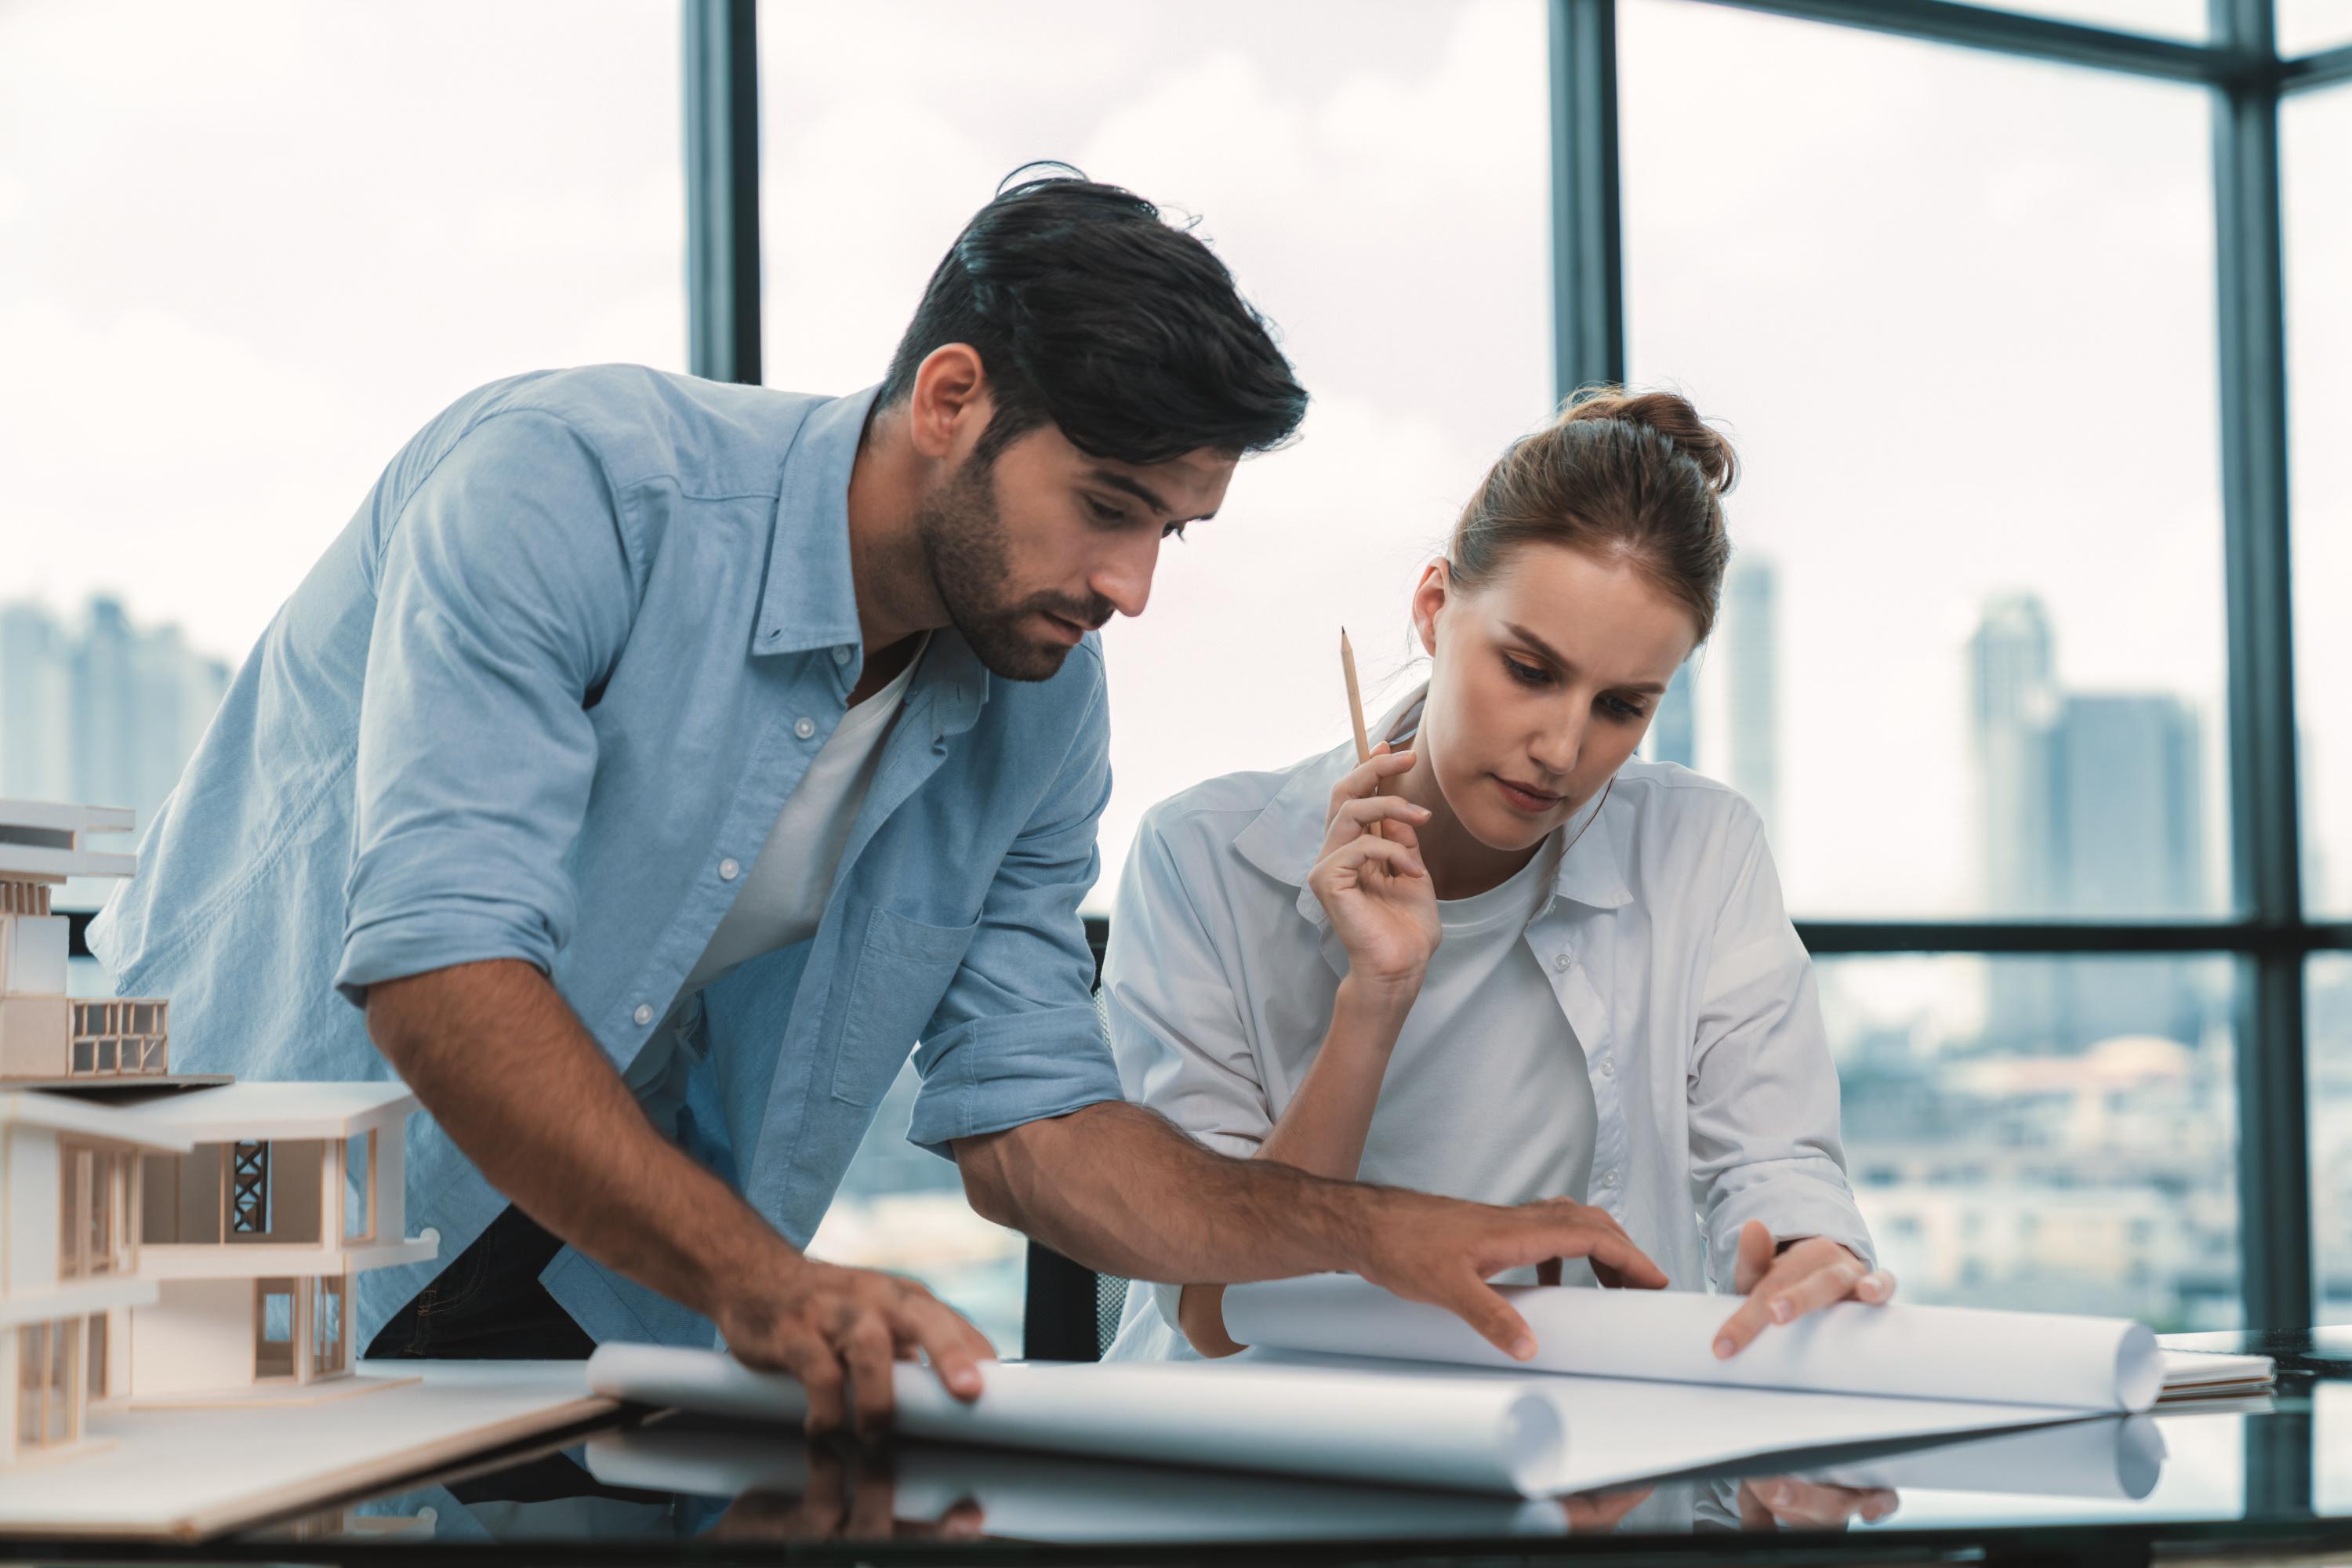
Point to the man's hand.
(1443, 1251)
(1120, 1189)
(526, 1093)
(1782, 1287)
(1778, 1502)
(839, 1331)
(852, 1495)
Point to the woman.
(1502, 960)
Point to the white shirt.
(1663, 945)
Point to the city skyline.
(98, 710)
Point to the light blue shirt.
(567, 662)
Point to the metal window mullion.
(1587, 249)
(2273, 1138)
(723, 189)
(2325, 69)
(2014, 33)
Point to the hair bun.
(1668, 415)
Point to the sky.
(1957, 311)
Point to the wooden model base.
(185, 1475)
(127, 1083)
(324, 1391)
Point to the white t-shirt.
(784, 893)
(1483, 1035)
(783, 897)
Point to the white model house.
(69, 1262)
(46, 1037)
(252, 1236)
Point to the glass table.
(2260, 1478)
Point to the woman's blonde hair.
(1635, 477)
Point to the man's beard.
(965, 546)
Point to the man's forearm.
(517, 1083)
(1239, 1220)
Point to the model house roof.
(69, 1113)
(44, 838)
(238, 1111)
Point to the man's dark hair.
(1091, 312)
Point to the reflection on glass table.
(2215, 1470)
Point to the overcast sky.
(1956, 310)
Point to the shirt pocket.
(903, 969)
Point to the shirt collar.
(810, 601)
(1282, 840)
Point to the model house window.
(359, 1187)
(330, 1352)
(48, 1355)
(273, 1328)
(95, 1342)
(88, 1224)
(248, 1189)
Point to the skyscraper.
(1747, 639)
(103, 711)
(1673, 728)
(2090, 806)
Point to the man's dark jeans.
(488, 1305)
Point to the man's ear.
(949, 406)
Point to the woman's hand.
(1782, 1289)
(1374, 886)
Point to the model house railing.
(120, 1036)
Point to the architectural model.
(69, 1274)
(47, 1038)
(165, 1239)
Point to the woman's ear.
(1429, 596)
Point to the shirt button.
(728, 870)
(1561, 963)
(1608, 1067)
(842, 654)
(1609, 1180)
(805, 728)
(643, 1015)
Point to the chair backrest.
(1071, 1313)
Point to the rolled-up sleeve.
(504, 595)
(1015, 1038)
(1764, 1141)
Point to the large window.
(2316, 154)
(2330, 978)
(1969, 361)
(2057, 1132)
(245, 253)
(1986, 296)
(1375, 175)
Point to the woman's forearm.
(1322, 1130)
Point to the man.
(654, 762)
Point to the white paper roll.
(1474, 1433)
(1916, 1352)
(1039, 1497)
(2110, 1457)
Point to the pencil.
(1356, 711)
(1355, 696)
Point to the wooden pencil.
(1355, 696)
